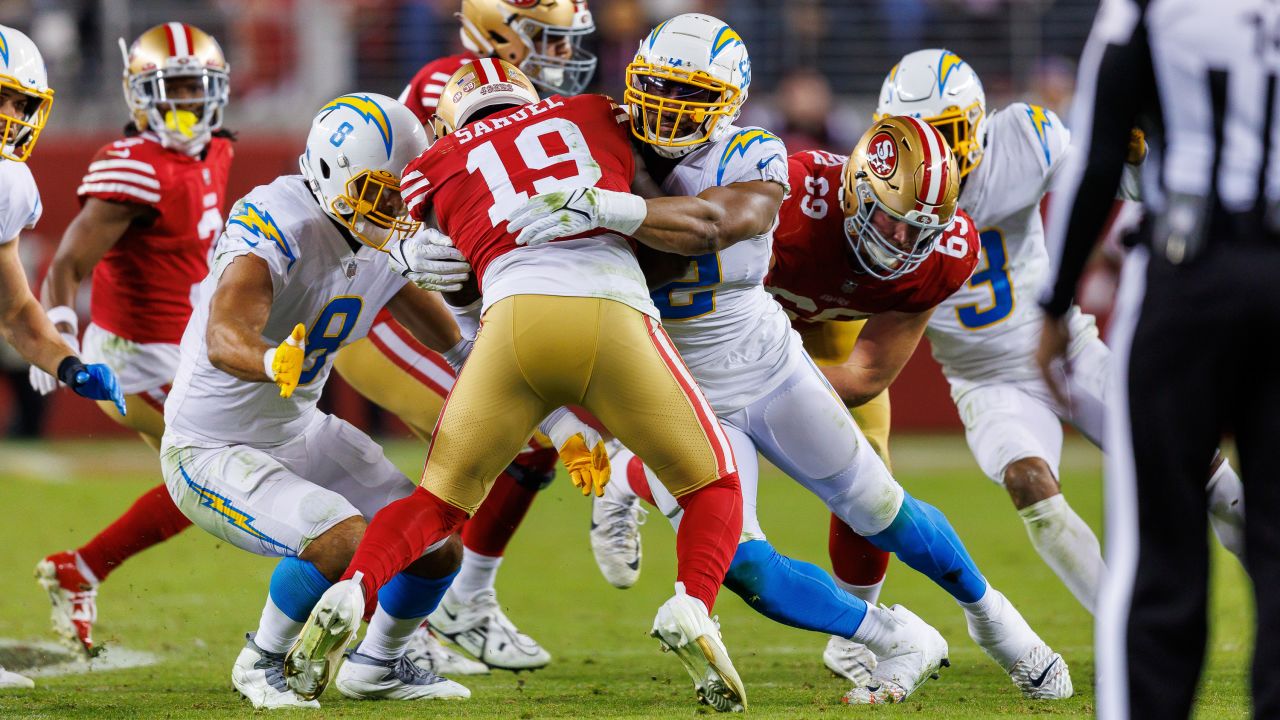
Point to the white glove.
(430, 261)
(562, 213)
(457, 355)
(41, 381)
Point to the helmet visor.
(23, 115)
(556, 62)
(675, 108)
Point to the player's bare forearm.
(883, 348)
(713, 220)
(23, 323)
(238, 312)
(98, 226)
(424, 315)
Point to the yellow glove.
(286, 361)
(588, 469)
(581, 450)
(1137, 147)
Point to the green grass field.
(190, 601)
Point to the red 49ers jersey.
(481, 173)
(813, 276)
(422, 94)
(142, 286)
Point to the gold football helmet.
(480, 84)
(541, 37)
(176, 82)
(899, 190)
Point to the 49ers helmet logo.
(882, 155)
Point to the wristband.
(64, 314)
(621, 211)
(68, 369)
(268, 362)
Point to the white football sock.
(276, 631)
(477, 574)
(999, 629)
(1226, 508)
(1067, 545)
(870, 594)
(387, 636)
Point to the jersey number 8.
(328, 332)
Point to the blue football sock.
(792, 592)
(296, 587)
(922, 537)
(410, 596)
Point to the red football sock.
(853, 558)
(638, 481)
(152, 519)
(708, 537)
(398, 535)
(493, 525)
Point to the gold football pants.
(535, 353)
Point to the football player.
(986, 339)
(568, 322)
(25, 101)
(685, 87)
(296, 274)
(544, 40)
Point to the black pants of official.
(1201, 364)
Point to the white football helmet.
(936, 86)
(22, 70)
(687, 83)
(357, 149)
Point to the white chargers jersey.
(317, 279)
(990, 327)
(731, 333)
(20, 206)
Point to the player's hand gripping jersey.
(142, 287)
(20, 206)
(730, 332)
(995, 316)
(813, 276)
(478, 175)
(317, 279)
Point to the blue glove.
(95, 382)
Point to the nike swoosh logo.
(634, 564)
(120, 153)
(1037, 682)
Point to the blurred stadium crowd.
(817, 64)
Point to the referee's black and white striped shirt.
(1200, 77)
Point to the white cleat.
(1042, 675)
(1004, 635)
(259, 676)
(314, 658)
(427, 652)
(913, 653)
(616, 518)
(366, 678)
(481, 628)
(684, 627)
(12, 680)
(850, 660)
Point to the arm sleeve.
(1116, 77)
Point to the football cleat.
(481, 628)
(427, 652)
(684, 627)
(616, 518)
(312, 661)
(913, 653)
(366, 678)
(14, 680)
(850, 660)
(259, 676)
(74, 599)
(1042, 674)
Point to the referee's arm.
(1115, 81)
